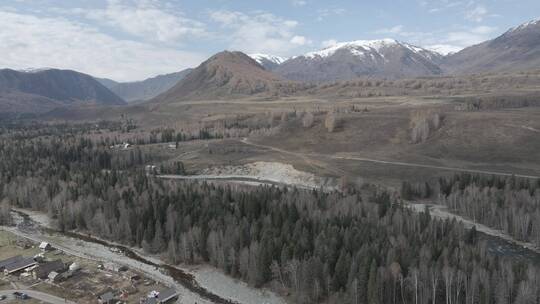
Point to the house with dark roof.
(8, 261)
(43, 270)
(150, 301)
(167, 295)
(19, 265)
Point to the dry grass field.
(480, 126)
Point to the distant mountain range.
(44, 89)
(517, 49)
(228, 75)
(386, 58)
(145, 89)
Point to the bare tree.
(330, 122)
(307, 120)
(423, 123)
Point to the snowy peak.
(358, 47)
(517, 49)
(525, 25)
(269, 62)
(364, 48)
(261, 57)
(444, 49)
(385, 58)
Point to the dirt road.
(378, 161)
(442, 212)
(44, 297)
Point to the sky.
(128, 40)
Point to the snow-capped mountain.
(444, 49)
(517, 49)
(362, 47)
(33, 70)
(525, 26)
(269, 62)
(386, 58)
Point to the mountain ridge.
(227, 75)
(516, 49)
(144, 89)
(43, 90)
(385, 58)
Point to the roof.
(150, 301)
(108, 296)
(46, 268)
(19, 265)
(11, 260)
(167, 294)
(53, 274)
(44, 245)
(111, 265)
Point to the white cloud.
(259, 32)
(445, 40)
(483, 30)
(300, 40)
(326, 12)
(329, 43)
(398, 29)
(147, 19)
(299, 3)
(471, 10)
(31, 41)
(477, 14)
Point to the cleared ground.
(375, 146)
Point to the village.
(39, 273)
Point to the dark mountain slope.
(517, 49)
(228, 75)
(43, 90)
(145, 89)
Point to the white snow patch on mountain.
(361, 48)
(33, 70)
(444, 49)
(525, 25)
(358, 47)
(260, 58)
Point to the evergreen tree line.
(360, 247)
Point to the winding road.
(241, 179)
(44, 297)
(442, 212)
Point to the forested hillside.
(363, 246)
